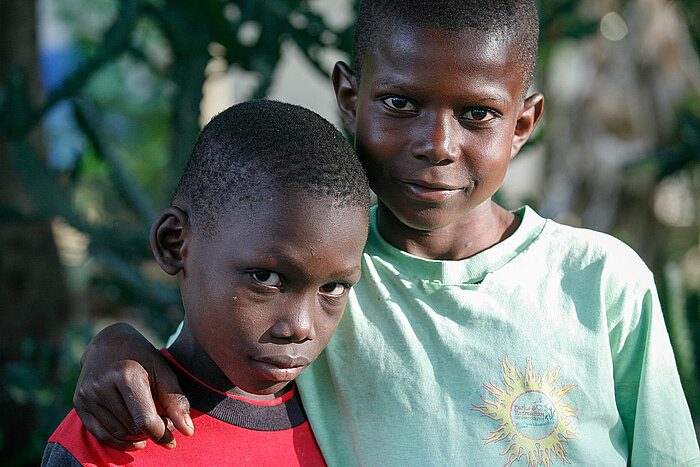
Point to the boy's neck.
(192, 357)
(480, 229)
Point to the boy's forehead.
(406, 39)
(303, 234)
(275, 212)
(409, 52)
(513, 21)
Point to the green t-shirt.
(548, 347)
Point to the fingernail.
(188, 421)
(170, 445)
(140, 444)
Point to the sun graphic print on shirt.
(533, 418)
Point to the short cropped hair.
(516, 19)
(265, 147)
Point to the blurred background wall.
(101, 100)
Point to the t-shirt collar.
(471, 270)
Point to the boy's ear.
(527, 121)
(169, 239)
(345, 85)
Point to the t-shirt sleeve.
(648, 390)
(56, 455)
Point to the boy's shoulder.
(71, 444)
(579, 247)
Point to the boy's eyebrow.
(389, 84)
(279, 255)
(493, 99)
(494, 96)
(351, 271)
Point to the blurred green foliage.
(136, 96)
(42, 382)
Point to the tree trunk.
(33, 296)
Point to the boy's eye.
(334, 289)
(398, 103)
(479, 115)
(269, 278)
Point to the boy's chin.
(426, 219)
(401, 216)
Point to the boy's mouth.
(281, 368)
(429, 191)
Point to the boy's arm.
(649, 395)
(121, 372)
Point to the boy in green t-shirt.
(476, 335)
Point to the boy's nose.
(296, 323)
(438, 141)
